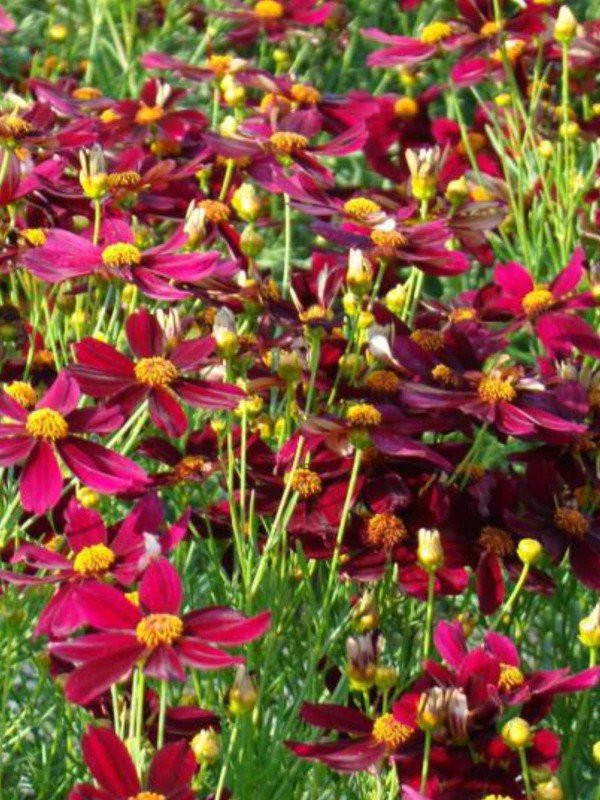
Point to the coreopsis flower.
(365, 742)
(196, 461)
(161, 373)
(273, 18)
(158, 271)
(36, 438)
(155, 632)
(169, 775)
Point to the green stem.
(508, 606)
(162, 713)
(287, 253)
(342, 526)
(525, 773)
(426, 756)
(429, 614)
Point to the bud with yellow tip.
(596, 752)
(243, 693)
(549, 790)
(395, 299)
(516, 733)
(530, 551)
(206, 746)
(565, 26)
(359, 275)
(589, 628)
(224, 333)
(246, 203)
(430, 552)
(87, 497)
(545, 148)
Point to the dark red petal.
(144, 334)
(223, 625)
(41, 480)
(160, 589)
(197, 654)
(337, 718)
(172, 768)
(109, 762)
(94, 677)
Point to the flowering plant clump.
(300, 400)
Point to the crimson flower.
(157, 374)
(274, 18)
(169, 775)
(154, 634)
(36, 437)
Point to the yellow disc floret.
(35, 237)
(406, 108)
(388, 239)
(361, 208)
(214, 210)
(147, 796)
(121, 254)
(124, 180)
(11, 125)
(155, 371)
(496, 541)
(571, 521)
(383, 382)
(388, 731)
(269, 9)
(495, 390)
(48, 424)
(435, 32)
(159, 629)
(22, 392)
(445, 376)
(536, 301)
(305, 94)
(288, 142)
(306, 482)
(510, 678)
(94, 560)
(385, 530)
(363, 415)
(148, 115)
(428, 339)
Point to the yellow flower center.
(315, 312)
(361, 208)
(386, 530)
(46, 423)
(388, 731)
(571, 521)
(157, 629)
(536, 301)
(148, 115)
(462, 314)
(510, 677)
(306, 482)
(444, 375)
(147, 796)
(288, 142)
(305, 94)
(218, 64)
(86, 93)
(124, 180)
(383, 382)
(429, 339)
(497, 797)
(214, 211)
(155, 371)
(35, 237)
(94, 560)
(513, 49)
(108, 115)
(494, 390)
(497, 541)
(23, 393)
(406, 108)
(388, 239)
(189, 467)
(121, 254)
(13, 125)
(43, 358)
(269, 9)
(435, 32)
(363, 415)
(490, 28)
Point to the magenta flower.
(66, 255)
(169, 776)
(52, 429)
(157, 374)
(154, 634)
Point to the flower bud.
(530, 551)
(58, 32)
(565, 26)
(549, 790)
(365, 614)
(516, 733)
(430, 552)
(589, 628)
(243, 694)
(359, 275)
(545, 148)
(246, 203)
(569, 130)
(224, 333)
(395, 299)
(362, 656)
(92, 175)
(228, 126)
(596, 752)
(350, 304)
(424, 167)
(457, 190)
(385, 677)
(87, 497)
(206, 746)
(289, 366)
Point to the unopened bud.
(516, 733)
(359, 275)
(206, 746)
(430, 552)
(530, 551)
(549, 790)
(243, 694)
(589, 628)
(246, 203)
(565, 26)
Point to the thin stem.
(426, 756)
(343, 521)
(162, 713)
(287, 253)
(429, 614)
(525, 773)
(508, 606)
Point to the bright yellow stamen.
(306, 482)
(305, 94)
(497, 541)
(361, 208)
(444, 375)
(386, 530)
(157, 629)
(383, 381)
(388, 731)
(269, 9)
(315, 312)
(363, 415)
(429, 339)
(36, 237)
(94, 560)
(121, 254)
(22, 392)
(124, 180)
(510, 677)
(491, 28)
(494, 390)
(147, 796)
(155, 371)
(462, 314)
(536, 301)
(571, 521)
(406, 108)
(46, 423)
(388, 238)
(435, 32)
(288, 142)
(218, 64)
(214, 210)
(148, 115)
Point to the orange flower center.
(536, 301)
(361, 208)
(497, 541)
(157, 629)
(269, 9)
(13, 125)
(388, 731)
(214, 211)
(288, 142)
(189, 467)
(315, 312)
(429, 339)
(94, 560)
(307, 95)
(462, 314)
(48, 424)
(121, 254)
(306, 482)
(435, 32)
(383, 382)
(148, 115)
(219, 64)
(386, 530)
(494, 390)
(23, 393)
(86, 93)
(363, 415)
(406, 108)
(124, 180)
(510, 677)
(155, 371)
(441, 373)
(571, 521)
(388, 239)
(147, 796)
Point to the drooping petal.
(99, 468)
(41, 481)
(109, 762)
(172, 768)
(223, 625)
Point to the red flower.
(169, 776)
(35, 438)
(155, 634)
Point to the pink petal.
(160, 589)
(41, 481)
(223, 625)
(109, 762)
(99, 468)
(62, 396)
